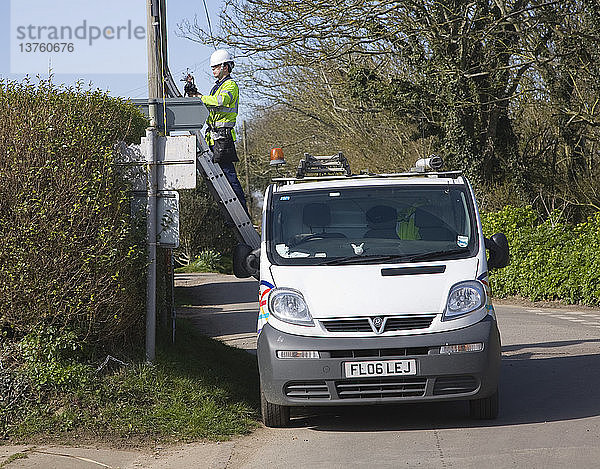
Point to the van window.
(371, 224)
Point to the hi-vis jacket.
(223, 106)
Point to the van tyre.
(274, 415)
(485, 408)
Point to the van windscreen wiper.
(372, 259)
(435, 254)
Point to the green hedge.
(70, 256)
(551, 260)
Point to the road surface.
(549, 404)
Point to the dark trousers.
(229, 172)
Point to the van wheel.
(274, 415)
(485, 408)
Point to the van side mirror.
(246, 261)
(499, 252)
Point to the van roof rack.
(334, 165)
(431, 174)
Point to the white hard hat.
(220, 56)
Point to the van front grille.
(409, 322)
(391, 323)
(351, 325)
(377, 353)
(380, 388)
(306, 390)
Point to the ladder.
(223, 193)
(323, 165)
(218, 184)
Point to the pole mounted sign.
(167, 215)
(176, 160)
(175, 169)
(180, 114)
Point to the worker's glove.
(190, 89)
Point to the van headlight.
(464, 298)
(288, 305)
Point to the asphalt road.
(549, 404)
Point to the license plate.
(380, 368)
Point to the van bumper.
(322, 381)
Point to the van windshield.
(361, 225)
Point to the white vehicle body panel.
(361, 291)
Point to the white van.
(374, 289)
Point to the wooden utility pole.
(157, 47)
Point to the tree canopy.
(505, 90)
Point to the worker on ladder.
(222, 103)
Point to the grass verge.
(198, 388)
(12, 458)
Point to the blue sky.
(115, 56)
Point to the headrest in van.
(316, 215)
(426, 219)
(381, 215)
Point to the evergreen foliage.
(71, 257)
(550, 260)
